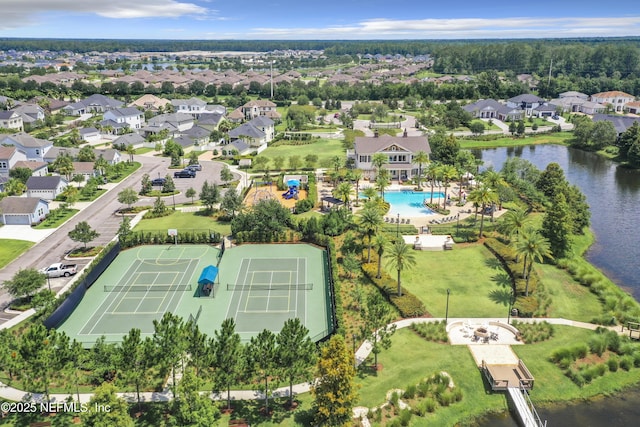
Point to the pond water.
(613, 193)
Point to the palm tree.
(356, 175)
(131, 151)
(483, 197)
(378, 160)
(513, 222)
(495, 181)
(382, 181)
(344, 191)
(370, 221)
(369, 193)
(380, 242)
(533, 246)
(336, 162)
(433, 172)
(421, 158)
(400, 257)
(448, 173)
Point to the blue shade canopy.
(293, 183)
(208, 275)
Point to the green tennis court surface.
(260, 286)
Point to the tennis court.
(259, 286)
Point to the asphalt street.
(101, 216)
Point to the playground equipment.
(292, 193)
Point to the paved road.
(100, 216)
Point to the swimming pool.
(411, 203)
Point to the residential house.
(11, 120)
(23, 210)
(236, 116)
(198, 134)
(127, 139)
(174, 123)
(510, 114)
(544, 110)
(193, 106)
(621, 123)
(266, 125)
(614, 98)
(54, 152)
(32, 114)
(95, 103)
(632, 107)
(251, 135)
(111, 155)
(150, 102)
(46, 187)
(573, 94)
(9, 157)
(37, 168)
(260, 107)
(238, 146)
(527, 102)
(210, 121)
(33, 148)
(399, 151)
(569, 104)
(86, 169)
(591, 108)
(484, 109)
(90, 134)
(123, 118)
(184, 141)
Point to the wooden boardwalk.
(526, 413)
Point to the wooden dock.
(523, 407)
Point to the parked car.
(58, 270)
(197, 167)
(158, 181)
(185, 173)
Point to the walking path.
(13, 394)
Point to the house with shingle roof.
(96, 103)
(31, 113)
(198, 134)
(632, 107)
(9, 157)
(193, 106)
(210, 121)
(240, 146)
(484, 109)
(127, 139)
(33, 148)
(620, 123)
(614, 98)
(398, 149)
(90, 134)
(127, 117)
(11, 120)
(150, 102)
(37, 168)
(527, 102)
(16, 210)
(260, 107)
(46, 187)
(86, 169)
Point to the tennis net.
(146, 288)
(269, 286)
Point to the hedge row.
(526, 305)
(161, 237)
(408, 304)
(262, 236)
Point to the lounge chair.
(407, 221)
(401, 220)
(386, 219)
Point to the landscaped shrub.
(410, 392)
(430, 404)
(304, 205)
(431, 331)
(598, 344)
(408, 304)
(626, 362)
(534, 332)
(613, 363)
(405, 417)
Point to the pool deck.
(325, 188)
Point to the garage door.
(16, 219)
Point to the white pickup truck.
(59, 269)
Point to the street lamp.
(509, 307)
(398, 225)
(446, 313)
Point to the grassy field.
(507, 141)
(325, 149)
(411, 359)
(184, 221)
(478, 285)
(11, 249)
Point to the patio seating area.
(488, 332)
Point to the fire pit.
(481, 333)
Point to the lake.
(613, 193)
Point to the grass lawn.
(552, 385)
(11, 249)
(325, 149)
(184, 221)
(56, 218)
(479, 286)
(507, 141)
(411, 359)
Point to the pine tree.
(335, 391)
(556, 226)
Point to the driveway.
(24, 232)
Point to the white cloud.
(17, 13)
(517, 27)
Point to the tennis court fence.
(147, 288)
(269, 286)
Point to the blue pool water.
(410, 203)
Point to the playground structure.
(292, 192)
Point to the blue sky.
(324, 19)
